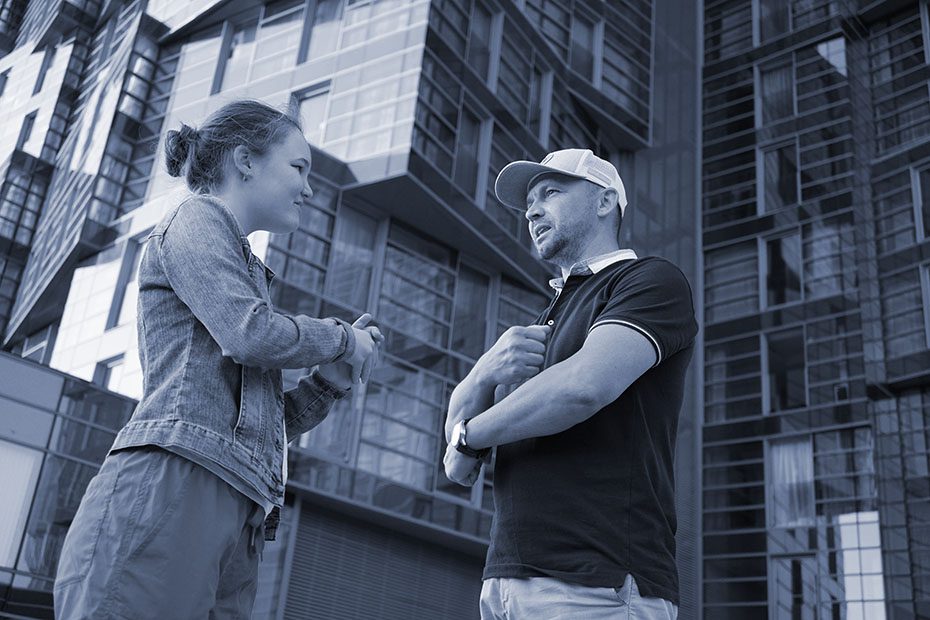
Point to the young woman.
(173, 524)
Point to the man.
(584, 523)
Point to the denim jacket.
(211, 348)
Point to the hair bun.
(178, 146)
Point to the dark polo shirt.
(597, 501)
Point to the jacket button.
(550, 322)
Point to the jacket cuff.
(327, 388)
(347, 346)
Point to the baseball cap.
(514, 180)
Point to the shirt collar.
(593, 265)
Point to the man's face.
(561, 212)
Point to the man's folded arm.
(565, 394)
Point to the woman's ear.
(242, 160)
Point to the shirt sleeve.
(653, 297)
(201, 253)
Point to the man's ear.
(607, 201)
(242, 160)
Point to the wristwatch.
(458, 440)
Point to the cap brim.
(513, 181)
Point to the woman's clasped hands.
(359, 366)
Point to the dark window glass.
(470, 316)
(783, 277)
(466, 157)
(773, 18)
(781, 177)
(787, 386)
(25, 131)
(583, 46)
(479, 41)
(777, 98)
(923, 206)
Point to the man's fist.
(516, 356)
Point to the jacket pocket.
(250, 425)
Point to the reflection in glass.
(324, 34)
(20, 467)
(239, 55)
(349, 275)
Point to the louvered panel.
(347, 569)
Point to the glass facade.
(412, 108)
(815, 299)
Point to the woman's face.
(281, 184)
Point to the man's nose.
(533, 212)
(307, 192)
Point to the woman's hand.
(358, 368)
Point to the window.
(732, 380)
(780, 177)
(349, 276)
(783, 270)
(43, 69)
(777, 92)
(472, 290)
(774, 18)
(731, 284)
(787, 386)
(790, 466)
(109, 373)
(829, 257)
(321, 35)
(25, 131)
(311, 107)
(794, 586)
(20, 466)
(479, 40)
(278, 38)
(123, 308)
(467, 152)
(583, 44)
(233, 69)
(920, 189)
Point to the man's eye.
(551, 191)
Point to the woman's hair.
(200, 154)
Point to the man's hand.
(344, 374)
(460, 468)
(516, 356)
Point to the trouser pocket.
(83, 535)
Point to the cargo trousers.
(158, 536)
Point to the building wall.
(412, 108)
(814, 122)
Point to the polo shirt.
(595, 502)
